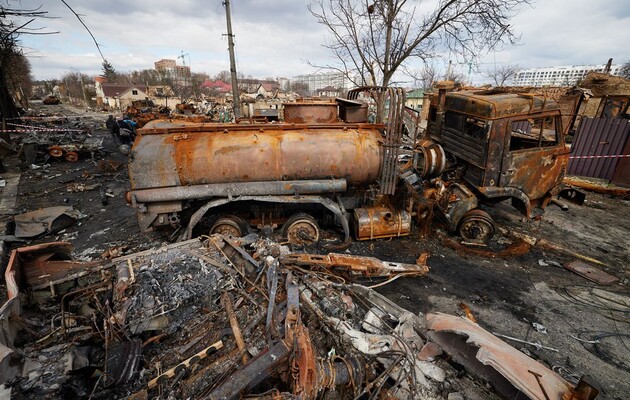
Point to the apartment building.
(558, 76)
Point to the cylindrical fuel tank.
(172, 154)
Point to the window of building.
(134, 92)
(533, 133)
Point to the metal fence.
(598, 147)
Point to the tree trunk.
(7, 106)
(380, 107)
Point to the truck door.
(535, 157)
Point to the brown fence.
(597, 147)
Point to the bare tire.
(301, 229)
(229, 225)
(476, 225)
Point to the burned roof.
(491, 105)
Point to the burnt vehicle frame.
(326, 164)
(312, 169)
(496, 146)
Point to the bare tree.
(196, 80)
(458, 77)
(146, 76)
(12, 25)
(372, 39)
(425, 78)
(501, 74)
(223, 76)
(18, 77)
(300, 88)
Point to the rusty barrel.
(167, 154)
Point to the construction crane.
(183, 57)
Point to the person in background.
(113, 127)
(132, 125)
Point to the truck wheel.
(476, 225)
(72, 156)
(55, 151)
(301, 229)
(229, 225)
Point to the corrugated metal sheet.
(598, 137)
(622, 174)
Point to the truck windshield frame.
(534, 133)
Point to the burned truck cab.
(500, 145)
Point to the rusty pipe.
(272, 188)
(563, 206)
(236, 329)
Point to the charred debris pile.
(225, 318)
(44, 137)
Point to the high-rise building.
(169, 68)
(320, 81)
(558, 76)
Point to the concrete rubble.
(225, 318)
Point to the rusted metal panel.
(199, 154)
(622, 172)
(525, 374)
(590, 272)
(535, 156)
(535, 171)
(12, 308)
(597, 145)
(310, 113)
(497, 105)
(352, 110)
(354, 265)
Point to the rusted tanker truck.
(326, 166)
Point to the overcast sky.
(276, 38)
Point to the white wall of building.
(320, 81)
(558, 76)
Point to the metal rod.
(236, 329)
(239, 189)
(537, 345)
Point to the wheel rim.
(302, 231)
(55, 151)
(228, 226)
(72, 156)
(476, 225)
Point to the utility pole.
(235, 96)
